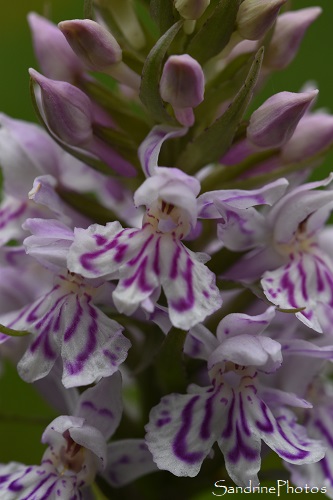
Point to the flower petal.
(102, 412)
(150, 148)
(183, 428)
(128, 460)
(305, 282)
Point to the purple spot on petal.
(163, 421)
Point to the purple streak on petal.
(184, 304)
(330, 284)
(320, 281)
(102, 411)
(229, 427)
(39, 485)
(286, 284)
(179, 444)
(91, 342)
(56, 326)
(156, 263)
(140, 273)
(111, 356)
(72, 328)
(324, 463)
(100, 239)
(243, 417)
(31, 317)
(14, 486)
(319, 424)
(13, 215)
(43, 338)
(300, 455)
(205, 430)
(136, 259)
(120, 254)
(174, 264)
(265, 426)
(241, 449)
(49, 313)
(303, 280)
(163, 421)
(86, 258)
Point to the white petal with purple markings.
(65, 323)
(183, 428)
(128, 459)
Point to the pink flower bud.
(67, 109)
(273, 124)
(55, 57)
(95, 45)
(313, 135)
(182, 85)
(289, 31)
(255, 17)
(191, 9)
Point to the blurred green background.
(20, 440)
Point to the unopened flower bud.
(313, 135)
(273, 124)
(191, 9)
(289, 31)
(255, 17)
(182, 85)
(92, 43)
(55, 57)
(98, 49)
(67, 109)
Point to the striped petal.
(13, 212)
(144, 260)
(18, 481)
(183, 428)
(67, 324)
(304, 283)
(128, 460)
(150, 148)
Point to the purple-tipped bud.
(55, 57)
(182, 85)
(191, 9)
(67, 109)
(95, 45)
(255, 17)
(289, 31)
(273, 124)
(313, 135)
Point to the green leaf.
(222, 88)
(216, 31)
(162, 13)
(213, 142)
(150, 90)
(13, 333)
(119, 142)
(88, 9)
(171, 355)
(129, 115)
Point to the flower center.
(75, 283)
(167, 218)
(73, 455)
(301, 242)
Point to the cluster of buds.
(162, 250)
